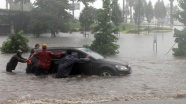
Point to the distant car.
(96, 65)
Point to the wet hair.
(19, 52)
(37, 45)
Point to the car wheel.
(106, 73)
(28, 69)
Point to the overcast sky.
(97, 4)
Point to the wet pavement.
(155, 75)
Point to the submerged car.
(95, 65)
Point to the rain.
(157, 74)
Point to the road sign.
(75, 6)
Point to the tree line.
(53, 16)
(58, 10)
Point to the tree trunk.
(171, 12)
(6, 4)
(21, 5)
(123, 11)
(131, 19)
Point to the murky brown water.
(155, 75)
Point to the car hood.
(113, 61)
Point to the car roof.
(51, 48)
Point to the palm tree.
(131, 4)
(6, 4)
(171, 12)
(9, 2)
(22, 2)
(123, 11)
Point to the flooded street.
(155, 75)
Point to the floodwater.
(155, 75)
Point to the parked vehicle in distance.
(96, 65)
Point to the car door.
(56, 61)
(83, 67)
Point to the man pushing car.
(44, 62)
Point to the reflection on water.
(155, 75)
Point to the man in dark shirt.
(33, 49)
(67, 63)
(11, 65)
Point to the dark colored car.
(95, 65)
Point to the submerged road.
(173, 101)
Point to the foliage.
(24, 1)
(87, 18)
(21, 2)
(182, 13)
(18, 19)
(116, 13)
(180, 34)
(53, 16)
(131, 4)
(139, 12)
(14, 42)
(21, 21)
(176, 12)
(127, 12)
(181, 40)
(159, 10)
(149, 12)
(104, 42)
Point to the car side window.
(57, 50)
(81, 55)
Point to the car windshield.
(91, 53)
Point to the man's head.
(37, 46)
(44, 46)
(19, 52)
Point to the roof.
(63, 47)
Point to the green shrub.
(179, 52)
(14, 42)
(180, 37)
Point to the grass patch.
(133, 29)
(124, 28)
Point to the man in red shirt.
(44, 62)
